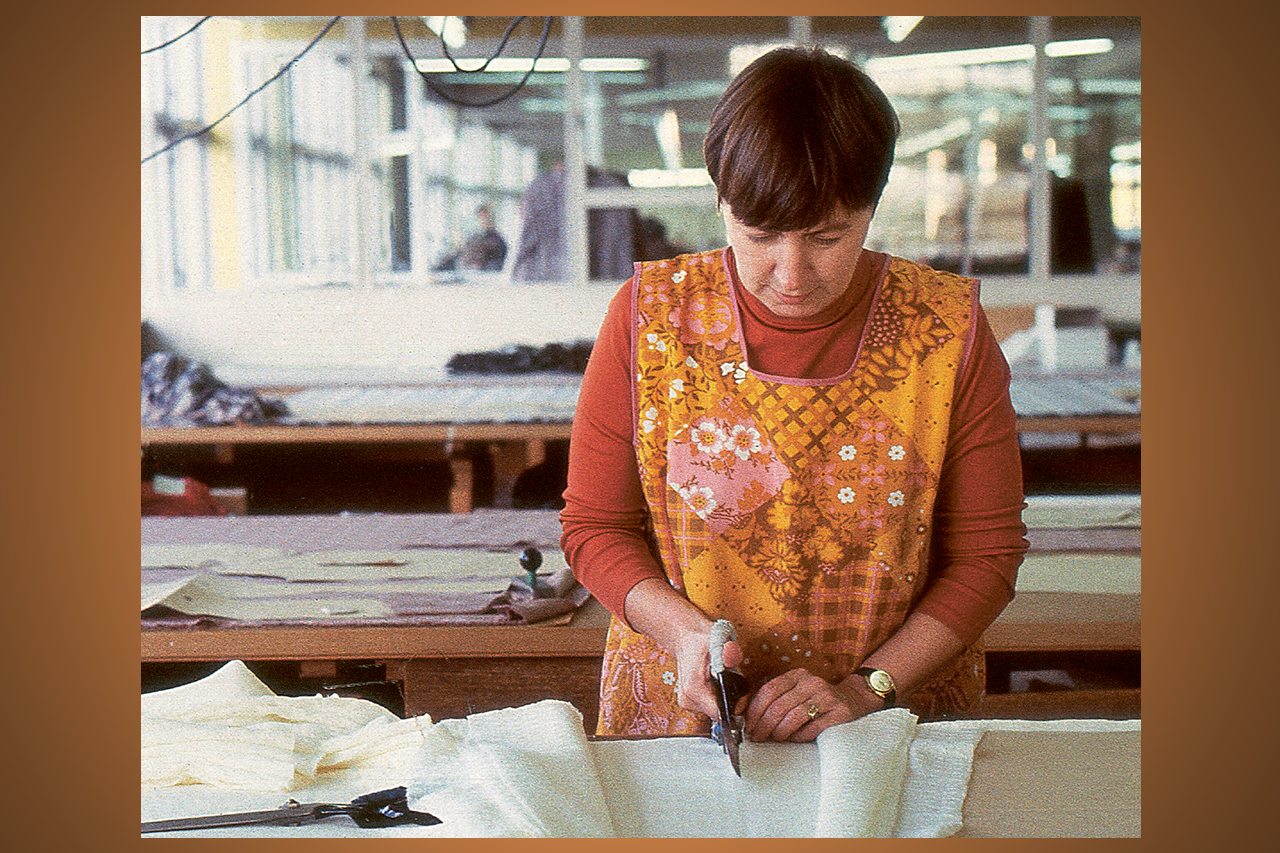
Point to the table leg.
(460, 493)
(510, 460)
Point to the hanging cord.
(426, 78)
(502, 45)
(175, 38)
(288, 65)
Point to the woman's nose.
(791, 264)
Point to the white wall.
(381, 335)
(407, 333)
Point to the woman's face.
(796, 274)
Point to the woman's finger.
(780, 707)
(732, 654)
(820, 722)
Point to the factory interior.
(361, 360)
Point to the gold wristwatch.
(880, 682)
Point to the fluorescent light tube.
(984, 55)
(898, 27)
(552, 64)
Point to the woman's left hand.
(798, 705)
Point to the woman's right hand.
(656, 610)
(695, 689)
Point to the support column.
(578, 268)
(1038, 238)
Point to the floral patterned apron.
(799, 510)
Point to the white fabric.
(229, 730)
(520, 772)
(530, 771)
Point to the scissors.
(379, 809)
(731, 685)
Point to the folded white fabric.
(520, 772)
(863, 764)
(230, 730)
(248, 757)
(936, 780)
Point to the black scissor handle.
(386, 808)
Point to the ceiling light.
(669, 178)
(984, 55)
(451, 28)
(1128, 151)
(614, 63)
(1079, 47)
(954, 129)
(552, 64)
(898, 27)
(1111, 87)
(445, 66)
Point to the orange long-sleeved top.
(979, 538)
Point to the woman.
(809, 439)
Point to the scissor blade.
(284, 816)
(731, 747)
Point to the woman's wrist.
(860, 698)
(656, 610)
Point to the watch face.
(880, 681)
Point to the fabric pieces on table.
(178, 391)
(520, 772)
(481, 528)
(453, 568)
(421, 587)
(230, 730)
(1081, 573)
(530, 771)
(1082, 512)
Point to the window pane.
(312, 184)
(957, 195)
(1095, 128)
(474, 139)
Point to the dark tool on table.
(372, 811)
(530, 560)
(731, 685)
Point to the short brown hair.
(798, 134)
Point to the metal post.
(365, 196)
(1038, 238)
(801, 29)
(973, 188)
(592, 120)
(575, 168)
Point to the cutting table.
(226, 744)
(1073, 604)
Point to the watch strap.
(886, 691)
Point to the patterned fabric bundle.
(179, 392)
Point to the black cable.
(502, 45)
(274, 77)
(426, 78)
(175, 38)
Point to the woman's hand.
(695, 690)
(655, 609)
(798, 705)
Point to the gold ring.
(812, 710)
